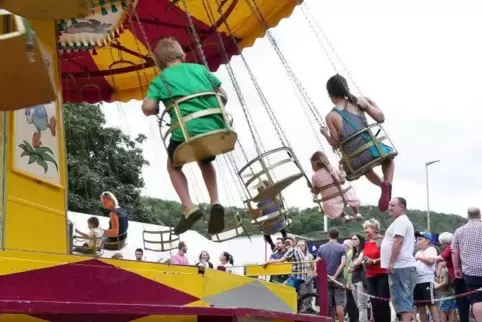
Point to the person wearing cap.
(424, 292)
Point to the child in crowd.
(180, 79)
(93, 237)
(330, 183)
(444, 289)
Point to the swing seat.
(159, 240)
(374, 151)
(201, 146)
(259, 221)
(79, 248)
(271, 228)
(229, 234)
(119, 244)
(24, 82)
(48, 9)
(251, 179)
(330, 196)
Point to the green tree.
(101, 158)
(307, 222)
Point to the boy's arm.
(150, 106)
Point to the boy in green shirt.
(179, 79)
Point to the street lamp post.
(427, 164)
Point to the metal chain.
(284, 140)
(254, 9)
(249, 119)
(296, 81)
(305, 7)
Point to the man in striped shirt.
(466, 250)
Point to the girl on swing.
(329, 181)
(180, 79)
(348, 117)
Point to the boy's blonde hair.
(168, 50)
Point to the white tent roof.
(243, 250)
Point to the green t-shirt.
(182, 80)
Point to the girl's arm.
(358, 261)
(330, 132)
(372, 109)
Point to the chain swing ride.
(256, 179)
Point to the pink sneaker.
(384, 200)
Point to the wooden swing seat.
(24, 82)
(160, 240)
(204, 145)
(48, 9)
(373, 141)
(259, 221)
(277, 188)
(274, 188)
(229, 234)
(330, 196)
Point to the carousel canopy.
(105, 57)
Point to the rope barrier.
(419, 301)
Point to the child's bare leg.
(355, 209)
(373, 177)
(388, 169)
(209, 177)
(179, 182)
(356, 212)
(216, 219)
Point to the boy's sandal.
(216, 219)
(188, 220)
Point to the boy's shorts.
(173, 145)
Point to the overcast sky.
(419, 60)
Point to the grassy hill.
(307, 222)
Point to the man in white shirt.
(397, 257)
(424, 292)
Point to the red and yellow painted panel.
(35, 210)
(121, 70)
(37, 276)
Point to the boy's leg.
(284, 233)
(209, 176)
(216, 219)
(269, 241)
(179, 182)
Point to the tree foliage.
(101, 158)
(307, 222)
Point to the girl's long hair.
(229, 258)
(361, 245)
